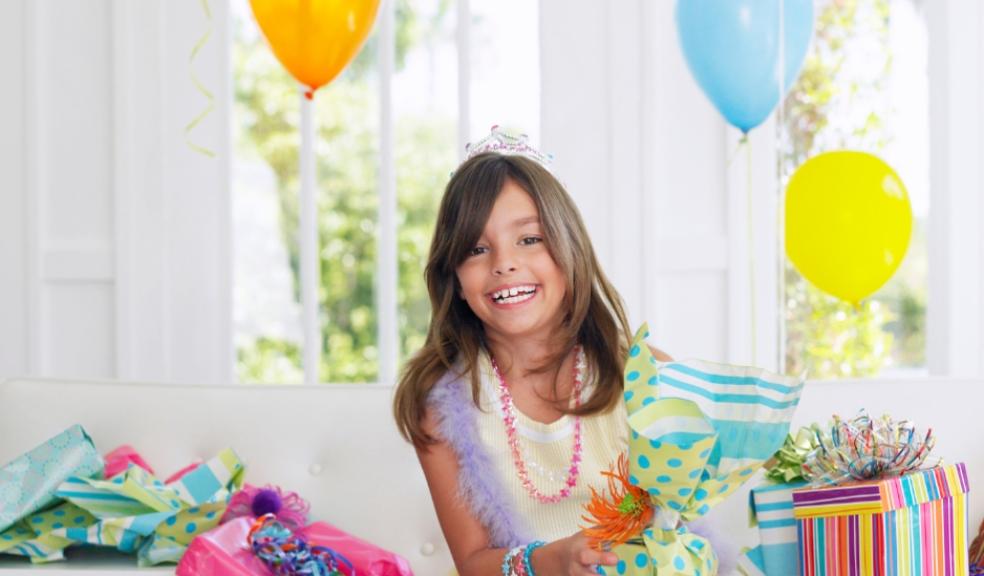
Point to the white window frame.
(387, 271)
(955, 314)
(956, 245)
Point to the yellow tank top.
(547, 451)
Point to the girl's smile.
(511, 296)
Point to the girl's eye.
(477, 250)
(530, 240)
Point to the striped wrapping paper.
(134, 511)
(913, 525)
(771, 509)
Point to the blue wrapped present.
(771, 507)
(28, 483)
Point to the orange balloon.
(315, 39)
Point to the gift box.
(222, 551)
(28, 484)
(698, 431)
(771, 509)
(911, 525)
(27, 492)
(225, 551)
(366, 558)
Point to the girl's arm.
(660, 355)
(468, 539)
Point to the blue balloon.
(732, 49)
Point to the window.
(447, 84)
(865, 87)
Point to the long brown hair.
(595, 315)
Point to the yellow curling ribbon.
(200, 87)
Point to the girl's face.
(509, 279)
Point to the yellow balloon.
(848, 223)
(315, 39)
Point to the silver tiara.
(504, 143)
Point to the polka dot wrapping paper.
(28, 485)
(698, 431)
(136, 512)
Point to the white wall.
(13, 205)
(645, 156)
(114, 233)
(955, 328)
(114, 239)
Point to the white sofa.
(338, 446)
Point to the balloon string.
(780, 209)
(734, 153)
(200, 87)
(751, 252)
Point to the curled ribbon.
(286, 554)
(864, 448)
(200, 87)
(787, 464)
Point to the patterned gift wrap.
(771, 509)
(698, 431)
(913, 525)
(28, 483)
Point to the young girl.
(514, 404)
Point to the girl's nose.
(504, 269)
(503, 264)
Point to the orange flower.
(623, 514)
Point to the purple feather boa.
(481, 489)
(478, 484)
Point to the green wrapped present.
(698, 431)
(35, 536)
(135, 511)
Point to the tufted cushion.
(336, 445)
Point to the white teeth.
(514, 299)
(517, 294)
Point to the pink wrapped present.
(222, 552)
(120, 459)
(365, 557)
(225, 551)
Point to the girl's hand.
(571, 556)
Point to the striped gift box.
(913, 525)
(771, 508)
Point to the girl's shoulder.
(452, 391)
(444, 385)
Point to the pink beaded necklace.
(509, 416)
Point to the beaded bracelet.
(507, 561)
(527, 555)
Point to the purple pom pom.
(266, 502)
